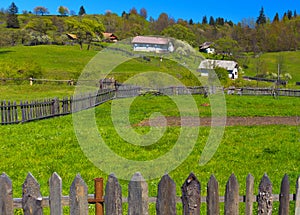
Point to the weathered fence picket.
(6, 195)
(265, 197)
(191, 195)
(113, 196)
(32, 198)
(55, 197)
(297, 197)
(78, 197)
(249, 198)
(212, 198)
(138, 195)
(284, 196)
(232, 196)
(33, 203)
(166, 197)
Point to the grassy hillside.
(56, 62)
(290, 64)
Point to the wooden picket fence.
(32, 202)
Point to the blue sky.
(193, 9)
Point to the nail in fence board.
(232, 196)
(191, 195)
(265, 198)
(113, 196)
(6, 195)
(212, 199)
(138, 195)
(166, 196)
(78, 197)
(32, 198)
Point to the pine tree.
(12, 18)
(204, 20)
(262, 17)
(211, 21)
(276, 18)
(81, 11)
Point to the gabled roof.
(150, 40)
(109, 35)
(211, 64)
(205, 45)
(72, 36)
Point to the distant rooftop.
(150, 40)
(211, 64)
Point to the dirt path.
(230, 121)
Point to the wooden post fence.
(32, 202)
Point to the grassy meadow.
(48, 146)
(289, 59)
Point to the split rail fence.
(111, 201)
(12, 113)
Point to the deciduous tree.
(62, 10)
(40, 10)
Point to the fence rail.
(12, 113)
(32, 202)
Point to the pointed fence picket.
(32, 202)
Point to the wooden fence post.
(249, 195)
(212, 199)
(55, 185)
(232, 196)
(98, 196)
(6, 195)
(79, 197)
(166, 197)
(138, 195)
(32, 198)
(191, 195)
(265, 199)
(284, 196)
(297, 200)
(113, 196)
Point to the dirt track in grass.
(230, 121)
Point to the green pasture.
(289, 59)
(47, 146)
(56, 62)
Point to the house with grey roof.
(208, 65)
(206, 47)
(152, 44)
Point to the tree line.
(249, 35)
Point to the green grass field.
(48, 146)
(290, 64)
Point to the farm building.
(206, 48)
(152, 44)
(109, 37)
(208, 65)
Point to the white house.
(207, 65)
(152, 44)
(206, 47)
